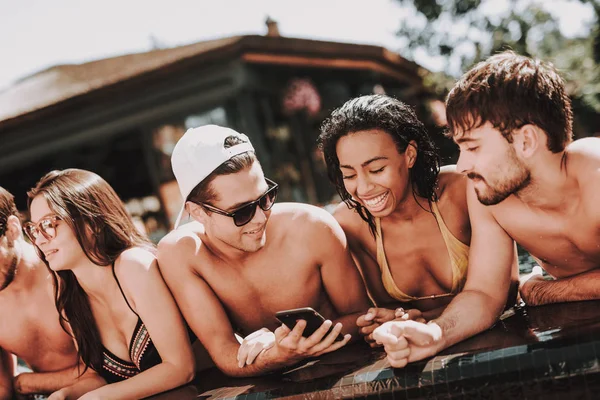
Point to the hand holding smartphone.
(313, 319)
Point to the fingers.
(385, 335)
(367, 330)
(399, 312)
(254, 352)
(242, 354)
(256, 334)
(320, 333)
(398, 360)
(376, 315)
(370, 339)
(335, 345)
(383, 315)
(371, 313)
(281, 333)
(397, 354)
(325, 342)
(412, 314)
(366, 319)
(292, 336)
(420, 334)
(247, 345)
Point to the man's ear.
(411, 153)
(528, 139)
(196, 211)
(13, 228)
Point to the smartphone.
(313, 319)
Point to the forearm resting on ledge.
(471, 312)
(584, 286)
(47, 382)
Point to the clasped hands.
(404, 334)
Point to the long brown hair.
(95, 213)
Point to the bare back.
(566, 240)
(30, 326)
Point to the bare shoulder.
(300, 213)
(134, 264)
(187, 235)
(181, 248)
(452, 186)
(583, 163)
(304, 218)
(589, 146)
(352, 224)
(583, 159)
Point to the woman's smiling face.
(374, 172)
(61, 249)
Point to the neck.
(93, 278)
(550, 186)
(409, 208)
(225, 252)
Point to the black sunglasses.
(244, 214)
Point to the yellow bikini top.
(457, 250)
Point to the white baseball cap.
(199, 152)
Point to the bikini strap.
(121, 289)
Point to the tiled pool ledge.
(548, 352)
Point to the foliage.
(461, 32)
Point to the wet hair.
(89, 206)
(203, 192)
(7, 208)
(396, 119)
(510, 91)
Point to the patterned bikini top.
(141, 350)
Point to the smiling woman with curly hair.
(406, 219)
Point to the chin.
(382, 213)
(490, 198)
(255, 245)
(55, 267)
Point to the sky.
(37, 34)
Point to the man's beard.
(10, 274)
(499, 193)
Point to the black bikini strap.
(121, 289)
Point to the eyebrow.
(243, 203)
(369, 161)
(464, 139)
(50, 214)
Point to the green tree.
(459, 33)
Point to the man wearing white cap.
(243, 258)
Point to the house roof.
(61, 83)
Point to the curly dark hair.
(401, 123)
